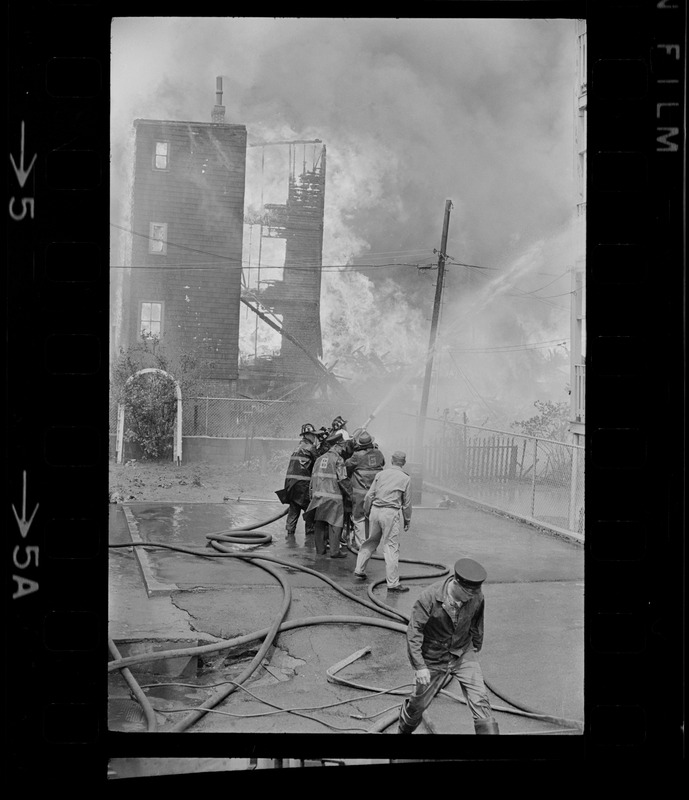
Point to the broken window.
(151, 319)
(157, 242)
(161, 156)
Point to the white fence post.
(119, 442)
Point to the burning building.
(181, 280)
(296, 298)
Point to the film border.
(57, 335)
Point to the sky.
(412, 112)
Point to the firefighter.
(351, 443)
(328, 487)
(444, 637)
(321, 435)
(297, 479)
(338, 424)
(362, 467)
(387, 503)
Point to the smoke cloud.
(412, 112)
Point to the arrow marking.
(22, 174)
(23, 524)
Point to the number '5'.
(32, 550)
(27, 205)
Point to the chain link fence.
(524, 475)
(266, 419)
(231, 417)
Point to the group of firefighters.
(338, 482)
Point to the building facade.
(181, 280)
(577, 417)
(578, 296)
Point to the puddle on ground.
(190, 522)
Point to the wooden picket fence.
(495, 458)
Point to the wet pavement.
(533, 651)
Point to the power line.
(545, 286)
(496, 269)
(210, 265)
(522, 293)
(231, 263)
(509, 348)
(471, 386)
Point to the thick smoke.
(412, 112)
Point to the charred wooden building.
(180, 280)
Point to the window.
(151, 319)
(161, 157)
(157, 241)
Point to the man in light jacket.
(387, 505)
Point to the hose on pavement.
(216, 541)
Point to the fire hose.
(245, 535)
(279, 625)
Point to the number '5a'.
(27, 206)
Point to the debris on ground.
(196, 482)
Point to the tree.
(552, 421)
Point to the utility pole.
(418, 444)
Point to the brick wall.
(200, 196)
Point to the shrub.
(151, 399)
(151, 409)
(551, 423)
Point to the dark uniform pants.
(324, 530)
(468, 672)
(293, 518)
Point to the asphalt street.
(533, 651)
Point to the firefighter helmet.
(365, 439)
(307, 427)
(338, 423)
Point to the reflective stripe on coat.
(298, 474)
(328, 483)
(362, 468)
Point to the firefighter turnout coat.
(298, 475)
(328, 486)
(362, 468)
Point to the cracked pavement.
(534, 618)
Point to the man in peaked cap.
(444, 637)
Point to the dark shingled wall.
(201, 199)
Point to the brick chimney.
(218, 113)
